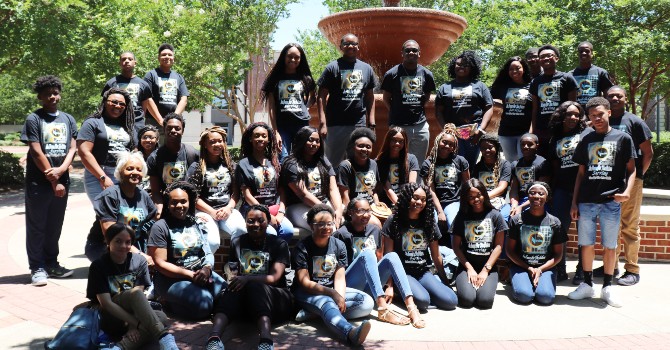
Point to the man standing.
(604, 181)
(347, 84)
(638, 130)
(139, 90)
(168, 88)
(548, 91)
(533, 60)
(407, 88)
(591, 80)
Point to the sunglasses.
(409, 50)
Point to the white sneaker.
(583, 291)
(38, 277)
(168, 343)
(607, 294)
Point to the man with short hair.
(605, 179)
(533, 60)
(548, 91)
(591, 80)
(347, 85)
(137, 88)
(407, 88)
(168, 88)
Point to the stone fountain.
(381, 33)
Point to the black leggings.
(254, 300)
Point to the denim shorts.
(609, 215)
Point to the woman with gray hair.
(125, 202)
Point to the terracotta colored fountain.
(381, 33)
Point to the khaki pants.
(630, 228)
(152, 323)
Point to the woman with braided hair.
(104, 134)
(412, 232)
(185, 282)
(257, 175)
(495, 172)
(212, 175)
(396, 165)
(444, 171)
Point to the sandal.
(387, 315)
(417, 321)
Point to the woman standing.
(103, 135)
(148, 143)
(510, 89)
(396, 165)
(289, 92)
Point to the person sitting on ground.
(185, 282)
(535, 246)
(478, 234)
(302, 172)
(412, 233)
(369, 267)
(116, 282)
(495, 172)
(396, 165)
(257, 291)
(527, 169)
(320, 284)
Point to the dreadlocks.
(128, 114)
(449, 129)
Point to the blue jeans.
(187, 299)
(358, 304)
(609, 215)
(428, 289)
(523, 290)
(92, 183)
(364, 273)
(468, 151)
(511, 147)
(418, 139)
(287, 132)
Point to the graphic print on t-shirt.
(174, 171)
(621, 127)
(132, 216)
(565, 148)
(462, 96)
(218, 180)
(486, 177)
(186, 245)
(352, 84)
(365, 182)
(121, 283)
(479, 235)
(535, 242)
(394, 176)
(525, 175)
(412, 89)
(515, 101)
(550, 95)
(290, 95)
(445, 175)
(587, 87)
(601, 160)
(363, 243)
(133, 90)
(254, 262)
(314, 181)
(414, 240)
(168, 91)
(118, 138)
(54, 139)
(323, 267)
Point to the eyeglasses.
(117, 103)
(411, 50)
(362, 211)
(322, 225)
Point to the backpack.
(80, 331)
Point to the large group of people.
(380, 225)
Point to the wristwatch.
(488, 267)
(103, 178)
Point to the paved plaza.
(31, 315)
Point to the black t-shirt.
(112, 205)
(591, 82)
(54, 134)
(347, 83)
(138, 90)
(315, 183)
(321, 263)
(170, 167)
(109, 138)
(166, 89)
(186, 245)
(361, 181)
(409, 89)
(517, 109)
(486, 175)
(638, 130)
(562, 150)
(464, 103)
(412, 244)
(105, 276)
(447, 177)
(605, 157)
(390, 171)
(528, 172)
(536, 236)
(551, 91)
(290, 101)
(477, 232)
(261, 180)
(357, 242)
(256, 259)
(217, 184)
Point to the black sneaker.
(578, 277)
(561, 274)
(629, 279)
(600, 272)
(59, 272)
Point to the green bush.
(235, 153)
(657, 174)
(12, 174)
